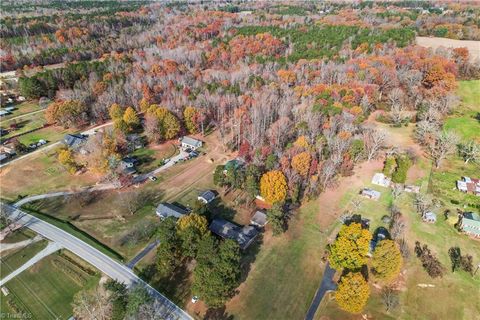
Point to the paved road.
(55, 144)
(327, 284)
(96, 258)
(51, 248)
(142, 254)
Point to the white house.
(381, 180)
(190, 143)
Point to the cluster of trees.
(459, 261)
(430, 262)
(396, 166)
(217, 269)
(349, 253)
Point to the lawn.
(49, 134)
(45, 291)
(21, 109)
(24, 124)
(465, 119)
(152, 157)
(38, 174)
(19, 235)
(286, 272)
(13, 259)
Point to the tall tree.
(273, 186)
(352, 292)
(351, 247)
(387, 260)
(191, 230)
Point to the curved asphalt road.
(101, 261)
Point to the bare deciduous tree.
(443, 145)
(374, 140)
(390, 298)
(470, 151)
(92, 305)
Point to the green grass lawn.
(26, 123)
(45, 291)
(464, 119)
(19, 235)
(21, 109)
(11, 260)
(150, 159)
(286, 272)
(49, 134)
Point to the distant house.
(207, 196)
(470, 224)
(381, 180)
(74, 141)
(244, 236)
(233, 164)
(259, 219)
(4, 113)
(4, 157)
(370, 194)
(165, 210)
(429, 217)
(469, 185)
(190, 143)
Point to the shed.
(259, 219)
(165, 210)
(207, 196)
(370, 194)
(189, 142)
(429, 217)
(412, 189)
(244, 236)
(381, 180)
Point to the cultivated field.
(434, 43)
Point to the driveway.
(99, 260)
(326, 285)
(171, 161)
(142, 254)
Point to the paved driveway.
(326, 285)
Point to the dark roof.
(74, 140)
(208, 195)
(234, 164)
(227, 230)
(166, 210)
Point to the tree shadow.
(477, 116)
(218, 209)
(217, 314)
(249, 256)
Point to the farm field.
(46, 290)
(435, 42)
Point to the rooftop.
(227, 230)
(191, 141)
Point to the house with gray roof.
(74, 141)
(370, 194)
(207, 196)
(259, 219)
(190, 143)
(470, 224)
(165, 210)
(244, 236)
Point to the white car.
(194, 299)
(153, 178)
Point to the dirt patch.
(330, 200)
(434, 43)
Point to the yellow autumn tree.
(171, 126)
(351, 247)
(65, 157)
(352, 292)
(131, 119)
(301, 163)
(190, 115)
(301, 142)
(191, 229)
(273, 186)
(387, 260)
(115, 111)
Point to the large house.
(74, 141)
(469, 185)
(165, 210)
(470, 224)
(244, 236)
(190, 143)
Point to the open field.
(40, 173)
(435, 42)
(19, 235)
(26, 123)
(13, 259)
(49, 134)
(465, 119)
(21, 109)
(151, 157)
(46, 290)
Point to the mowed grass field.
(21, 109)
(13, 259)
(465, 119)
(45, 291)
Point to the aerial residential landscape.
(314, 160)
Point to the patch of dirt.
(331, 198)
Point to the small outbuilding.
(429, 217)
(469, 185)
(370, 194)
(207, 196)
(165, 210)
(259, 219)
(190, 143)
(470, 224)
(381, 180)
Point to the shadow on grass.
(217, 314)
(219, 210)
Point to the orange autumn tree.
(301, 163)
(273, 186)
(352, 293)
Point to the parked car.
(152, 178)
(188, 150)
(32, 145)
(42, 142)
(194, 299)
(193, 154)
